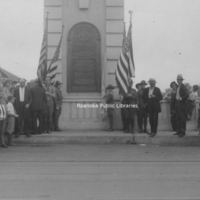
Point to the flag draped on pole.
(42, 68)
(131, 65)
(125, 64)
(52, 71)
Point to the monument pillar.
(91, 46)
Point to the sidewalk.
(102, 137)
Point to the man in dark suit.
(38, 106)
(182, 95)
(152, 97)
(22, 106)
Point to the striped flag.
(42, 68)
(125, 65)
(131, 66)
(52, 71)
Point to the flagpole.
(63, 26)
(130, 46)
(47, 20)
(131, 13)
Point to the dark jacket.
(27, 98)
(140, 98)
(130, 97)
(38, 98)
(109, 98)
(184, 94)
(58, 98)
(172, 102)
(155, 101)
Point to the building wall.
(114, 37)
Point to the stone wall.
(114, 37)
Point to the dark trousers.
(142, 118)
(2, 131)
(22, 121)
(180, 117)
(31, 122)
(123, 116)
(56, 118)
(173, 120)
(37, 114)
(130, 116)
(110, 113)
(153, 119)
(199, 118)
(48, 116)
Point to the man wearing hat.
(152, 97)
(110, 110)
(50, 95)
(141, 112)
(130, 99)
(58, 104)
(182, 95)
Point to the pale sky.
(166, 38)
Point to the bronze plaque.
(84, 59)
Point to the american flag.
(131, 66)
(52, 71)
(42, 68)
(125, 65)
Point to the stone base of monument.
(74, 117)
(103, 138)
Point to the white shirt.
(177, 93)
(150, 91)
(2, 111)
(10, 108)
(193, 96)
(21, 94)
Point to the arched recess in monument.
(84, 59)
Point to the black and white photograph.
(99, 99)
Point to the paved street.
(99, 172)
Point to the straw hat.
(152, 80)
(143, 83)
(180, 77)
(110, 87)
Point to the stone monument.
(92, 40)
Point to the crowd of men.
(36, 107)
(148, 100)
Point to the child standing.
(11, 119)
(2, 121)
(110, 101)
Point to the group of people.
(33, 108)
(29, 108)
(148, 100)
